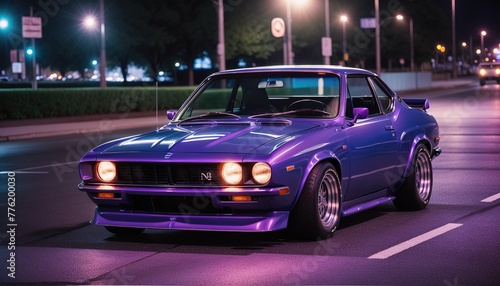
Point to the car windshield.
(279, 94)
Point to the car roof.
(489, 64)
(298, 68)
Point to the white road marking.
(47, 166)
(491, 199)
(414, 241)
(21, 172)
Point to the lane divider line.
(414, 241)
(491, 199)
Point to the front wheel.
(415, 192)
(317, 213)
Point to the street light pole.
(326, 59)
(102, 65)
(343, 19)
(289, 33)
(377, 38)
(454, 41)
(221, 49)
(34, 84)
(483, 33)
(412, 46)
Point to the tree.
(124, 22)
(248, 33)
(196, 31)
(158, 36)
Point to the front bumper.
(242, 223)
(191, 208)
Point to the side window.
(361, 94)
(384, 98)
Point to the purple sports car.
(269, 148)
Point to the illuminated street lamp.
(344, 19)
(483, 33)
(91, 22)
(439, 48)
(4, 24)
(412, 52)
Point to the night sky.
(473, 16)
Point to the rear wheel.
(416, 190)
(317, 213)
(124, 230)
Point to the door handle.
(390, 128)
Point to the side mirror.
(359, 113)
(171, 114)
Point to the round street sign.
(278, 27)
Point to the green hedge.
(57, 102)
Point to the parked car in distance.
(269, 148)
(5, 78)
(488, 71)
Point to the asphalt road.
(454, 241)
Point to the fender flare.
(319, 157)
(419, 139)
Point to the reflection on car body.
(263, 149)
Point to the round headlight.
(497, 71)
(482, 71)
(106, 171)
(232, 173)
(261, 173)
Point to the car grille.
(167, 174)
(187, 205)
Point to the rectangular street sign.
(368, 23)
(17, 67)
(32, 27)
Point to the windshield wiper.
(208, 115)
(306, 110)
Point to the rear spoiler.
(420, 103)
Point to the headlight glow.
(232, 173)
(106, 171)
(497, 71)
(482, 71)
(261, 173)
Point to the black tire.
(124, 230)
(482, 82)
(416, 190)
(317, 213)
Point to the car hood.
(235, 138)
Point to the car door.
(372, 141)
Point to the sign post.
(32, 28)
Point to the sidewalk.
(11, 130)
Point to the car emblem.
(206, 176)
(168, 155)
